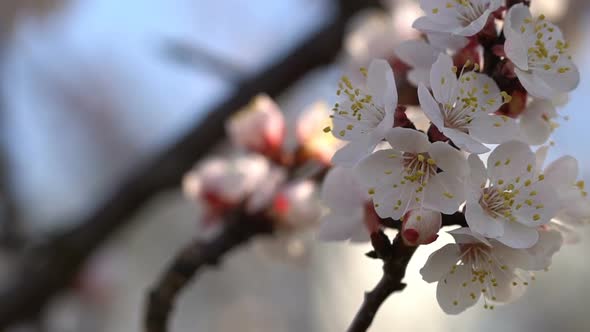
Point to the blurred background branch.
(52, 267)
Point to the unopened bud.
(421, 227)
(259, 127)
(297, 206)
(313, 134)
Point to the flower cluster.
(262, 175)
(486, 78)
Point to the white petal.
(381, 83)
(465, 235)
(449, 159)
(378, 134)
(478, 174)
(393, 202)
(430, 107)
(337, 227)
(541, 156)
(341, 190)
(517, 52)
(407, 140)
(518, 236)
(550, 241)
(440, 262)
(464, 141)
(381, 168)
(425, 24)
(538, 204)
(416, 53)
(510, 286)
(514, 20)
(510, 161)
(475, 26)
(562, 172)
(444, 192)
(418, 76)
(481, 222)
(443, 40)
(532, 123)
(494, 129)
(442, 79)
(353, 152)
(560, 82)
(534, 85)
(452, 297)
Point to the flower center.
(487, 274)
(497, 203)
(357, 107)
(418, 167)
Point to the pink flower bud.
(297, 205)
(313, 134)
(421, 227)
(259, 127)
(223, 183)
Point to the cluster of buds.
(488, 75)
(263, 174)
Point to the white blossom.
(540, 54)
(260, 126)
(406, 176)
(474, 267)
(351, 215)
(463, 108)
(537, 121)
(420, 54)
(514, 202)
(459, 17)
(421, 227)
(562, 174)
(363, 116)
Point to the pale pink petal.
(510, 162)
(416, 53)
(382, 167)
(443, 80)
(353, 152)
(440, 262)
(494, 129)
(464, 141)
(337, 227)
(407, 140)
(342, 191)
(449, 159)
(452, 296)
(481, 222)
(381, 84)
(430, 107)
(562, 172)
(444, 192)
(519, 236)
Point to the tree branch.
(196, 256)
(395, 255)
(52, 267)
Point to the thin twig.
(196, 256)
(53, 266)
(395, 256)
